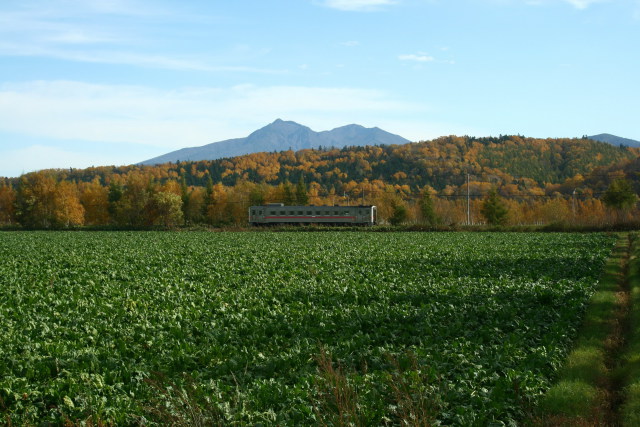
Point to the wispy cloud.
(181, 117)
(107, 56)
(77, 36)
(351, 43)
(358, 5)
(420, 57)
(44, 28)
(80, 34)
(578, 4)
(583, 4)
(115, 7)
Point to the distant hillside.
(280, 136)
(531, 165)
(615, 140)
(542, 178)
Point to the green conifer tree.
(493, 209)
(301, 193)
(289, 197)
(399, 214)
(429, 216)
(620, 195)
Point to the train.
(278, 213)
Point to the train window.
(253, 212)
(292, 213)
(283, 212)
(309, 213)
(260, 212)
(318, 213)
(336, 213)
(300, 213)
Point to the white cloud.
(358, 5)
(78, 34)
(582, 4)
(128, 58)
(183, 117)
(421, 57)
(38, 156)
(51, 23)
(578, 4)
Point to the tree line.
(44, 201)
(522, 165)
(535, 181)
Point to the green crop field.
(287, 328)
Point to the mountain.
(615, 140)
(280, 136)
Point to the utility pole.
(468, 202)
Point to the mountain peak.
(280, 127)
(281, 135)
(280, 122)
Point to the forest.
(446, 181)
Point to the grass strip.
(581, 394)
(630, 370)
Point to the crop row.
(95, 324)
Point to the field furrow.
(245, 328)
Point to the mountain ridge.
(281, 135)
(615, 140)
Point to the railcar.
(278, 213)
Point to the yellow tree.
(133, 208)
(7, 204)
(167, 209)
(44, 203)
(217, 212)
(95, 200)
(591, 211)
(554, 210)
(194, 206)
(68, 210)
(390, 205)
(35, 200)
(239, 198)
(172, 186)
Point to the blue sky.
(102, 82)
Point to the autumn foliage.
(441, 182)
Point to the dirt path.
(591, 390)
(616, 343)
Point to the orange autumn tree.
(95, 200)
(34, 202)
(44, 203)
(217, 206)
(7, 204)
(67, 210)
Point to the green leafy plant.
(233, 322)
